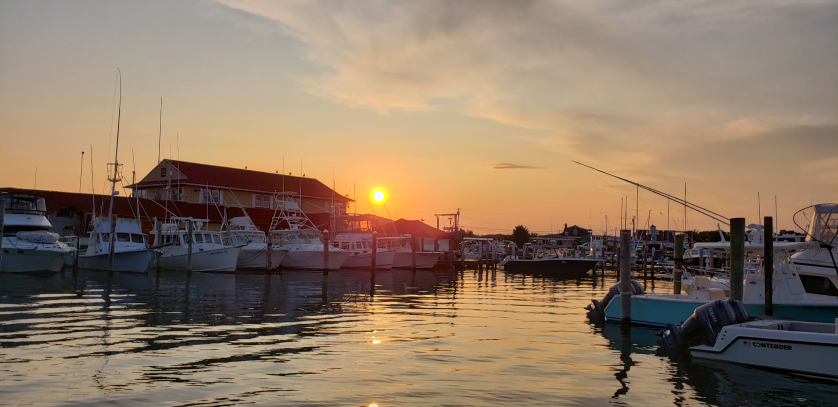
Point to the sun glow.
(378, 195)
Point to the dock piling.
(678, 260)
(374, 251)
(413, 251)
(326, 251)
(158, 241)
(2, 225)
(737, 258)
(625, 280)
(769, 265)
(189, 243)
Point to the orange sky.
(472, 105)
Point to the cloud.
(510, 166)
(620, 82)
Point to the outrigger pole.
(703, 211)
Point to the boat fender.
(596, 310)
(704, 325)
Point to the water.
(298, 338)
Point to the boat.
(359, 246)
(726, 334)
(256, 252)
(553, 263)
(403, 257)
(294, 232)
(208, 251)
(27, 243)
(130, 254)
(790, 300)
(817, 267)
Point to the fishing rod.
(699, 209)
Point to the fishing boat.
(130, 254)
(255, 253)
(724, 332)
(540, 260)
(790, 300)
(404, 254)
(294, 232)
(360, 248)
(208, 251)
(817, 267)
(27, 243)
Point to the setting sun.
(378, 195)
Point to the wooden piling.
(645, 263)
(678, 267)
(769, 265)
(451, 252)
(326, 251)
(158, 241)
(413, 251)
(480, 255)
(2, 225)
(737, 258)
(625, 280)
(270, 250)
(374, 251)
(189, 230)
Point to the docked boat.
(27, 243)
(790, 300)
(208, 251)
(724, 334)
(131, 252)
(558, 267)
(294, 232)
(255, 252)
(403, 257)
(817, 267)
(359, 246)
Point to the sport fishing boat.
(294, 232)
(403, 257)
(131, 252)
(790, 300)
(817, 267)
(27, 243)
(208, 251)
(255, 252)
(725, 334)
(359, 245)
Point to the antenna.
(81, 170)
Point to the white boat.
(255, 252)
(359, 246)
(131, 252)
(403, 257)
(815, 266)
(294, 232)
(208, 251)
(796, 346)
(27, 243)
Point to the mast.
(114, 179)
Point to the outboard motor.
(705, 323)
(596, 310)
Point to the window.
(136, 238)
(163, 172)
(217, 239)
(122, 237)
(199, 238)
(212, 196)
(261, 201)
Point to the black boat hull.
(554, 267)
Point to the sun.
(378, 195)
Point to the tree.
(520, 235)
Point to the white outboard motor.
(596, 310)
(704, 324)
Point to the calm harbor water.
(299, 338)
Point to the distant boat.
(28, 245)
(131, 253)
(208, 251)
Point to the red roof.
(241, 179)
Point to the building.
(182, 181)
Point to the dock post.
(463, 254)
(451, 252)
(653, 261)
(769, 265)
(413, 251)
(737, 258)
(645, 263)
(158, 242)
(326, 251)
(2, 225)
(480, 256)
(189, 243)
(678, 259)
(374, 251)
(625, 280)
(270, 250)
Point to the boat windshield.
(24, 202)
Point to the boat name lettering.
(766, 345)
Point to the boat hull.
(136, 261)
(31, 260)
(383, 260)
(424, 260)
(313, 259)
(659, 310)
(256, 257)
(223, 260)
(761, 344)
(554, 267)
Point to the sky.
(477, 105)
